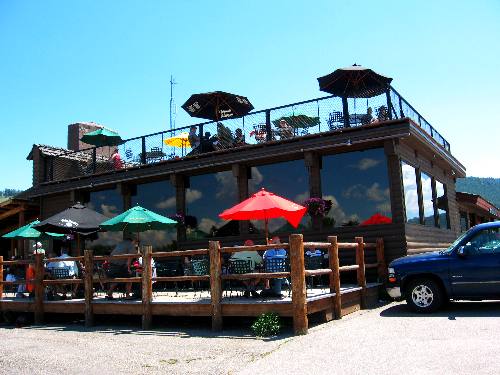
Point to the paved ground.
(462, 339)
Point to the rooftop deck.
(281, 123)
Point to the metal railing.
(279, 123)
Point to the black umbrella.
(77, 219)
(354, 82)
(217, 105)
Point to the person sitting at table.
(273, 289)
(193, 137)
(207, 143)
(116, 159)
(382, 114)
(286, 131)
(239, 138)
(368, 118)
(119, 268)
(255, 260)
(69, 265)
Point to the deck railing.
(215, 277)
(279, 123)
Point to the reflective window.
(442, 205)
(207, 197)
(410, 191)
(357, 184)
(486, 241)
(158, 197)
(288, 180)
(109, 203)
(427, 200)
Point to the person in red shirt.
(116, 159)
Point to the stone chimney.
(76, 131)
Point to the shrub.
(267, 324)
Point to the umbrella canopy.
(76, 219)
(298, 121)
(217, 105)
(27, 232)
(377, 219)
(354, 81)
(180, 140)
(102, 137)
(265, 205)
(137, 219)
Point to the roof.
(479, 201)
(82, 155)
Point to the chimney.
(76, 131)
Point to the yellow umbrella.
(181, 140)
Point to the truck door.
(476, 273)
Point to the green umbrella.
(102, 137)
(298, 121)
(137, 219)
(28, 232)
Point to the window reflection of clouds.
(427, 199)
(442, 202)
(410, 190)
(207, 197)
(287, 179)
(159, 197)
(357, 184)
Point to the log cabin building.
(394, 164)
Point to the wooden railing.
(215, 277)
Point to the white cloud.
(166, 204)
(366, 163)
(384, 208)
(256, 180)
(109, 210)
(192, 195)
(373, 193)
(226, 185)
(300, 198)
(206, 225)
(337, 213)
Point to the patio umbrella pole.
(267, 239)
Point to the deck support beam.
(333, 260)
(215, 284)
(299, 301)
(360, 261)
(39, 273)
(147, 287)
(88, 263)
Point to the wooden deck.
(215, 300)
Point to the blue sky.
(111, 61)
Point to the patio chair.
(200, 267)
(238, 267)
(336, 120)
(313, 263)
(278, 265)
(167, 268)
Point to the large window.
(411, 194)
(207, 197)
(288, 180)
(427, 200)
(109, 203)
(357, 184)
(158, 197)
(442, 205)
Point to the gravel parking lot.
(461, 339)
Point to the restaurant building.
(392, 163)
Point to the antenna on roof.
(172, 103)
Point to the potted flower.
(318, 207)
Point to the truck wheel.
(424, 295)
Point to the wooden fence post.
(39, 271)
(360, 260)
(88, 283)
(1, 276)
(382, 267)
(333, 260)
(297, 271)
(215, 284)
(147, 287)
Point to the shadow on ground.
(452, 310)
(234, 328)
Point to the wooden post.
(88, 264)
(147, 287)
(39, 271)
(360, 260)
(333, 260)
(297, 269)
(1, 276)
(215, 284)
(382, 267)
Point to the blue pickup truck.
(468, 270)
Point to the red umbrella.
(265, 205)
(377, 219)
